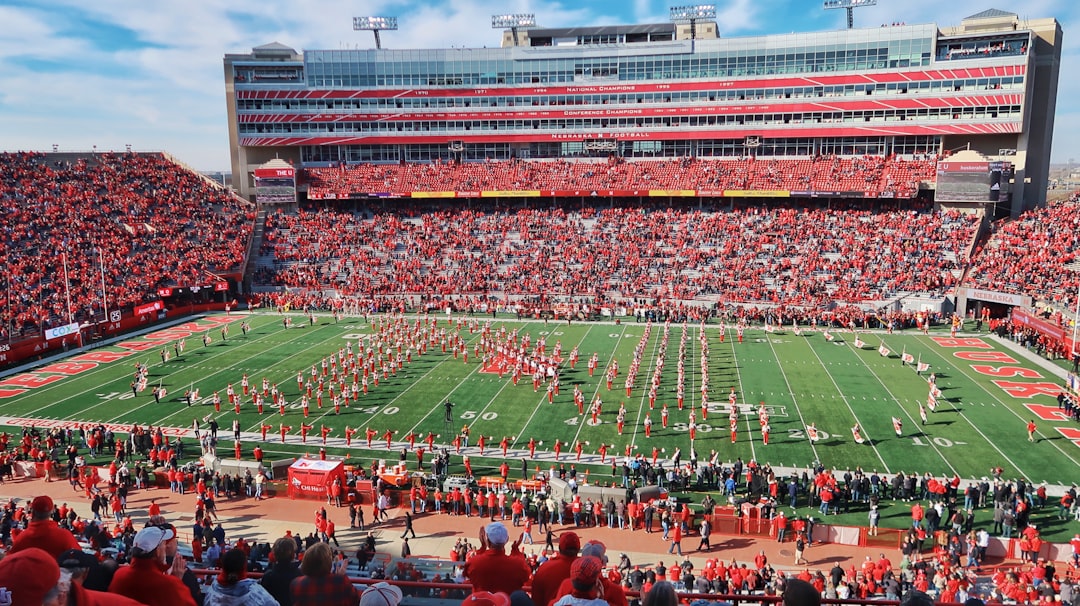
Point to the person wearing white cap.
(381, 594)
(494, 570)
(144, 581)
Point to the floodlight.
(374, 24)
(513, 22)
(849, 6)
(516, 20)
(693, 12)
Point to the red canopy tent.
(308, 478)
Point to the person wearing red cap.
(486, 598)
(586, 589)
(492, 569)
(612, 592)
(553, 572)
(43, 532)
(31, 577)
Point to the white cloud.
(170, 94)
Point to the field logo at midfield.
(501, 364)
(47, 375)
(1001, 364)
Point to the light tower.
(691, 14)
(374, 24)
(849, 6)
(513, 22)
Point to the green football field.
(801, 379)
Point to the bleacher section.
(868, 176)
(139, 219)
(781, 253)
(1033, 255)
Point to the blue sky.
(112, 73)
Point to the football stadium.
(775, 292)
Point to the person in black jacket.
(276, 580)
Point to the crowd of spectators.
(136, 222)
(781, 253)
(1032, 254)
(874, 175)
(943, 549)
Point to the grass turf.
(802, 378)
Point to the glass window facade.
(484, 67)
(483, 96)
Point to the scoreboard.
(973, 181)
(275, 185)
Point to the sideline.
(61, 354)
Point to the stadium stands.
(781, 253)
(1034, 255)
(152, 222)
(873, 175)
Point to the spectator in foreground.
(277, 580)
(553, 572)
(233, 588)
(611, 591)
(798, 592)
(80, 564)
(145, 579)
(585, 578)
(916, 598)
(31, 577)
(43, 532)
(661, 594)
(381, 594)
(494, 570)
(486, 598)
(318, 587)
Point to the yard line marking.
(749, 426)
(446, 358)
(866, 434)
(1007, 407)
(908, 415)
(588, 403)
(236, 366)
(536, 409)
(794, 401)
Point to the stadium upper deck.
(988, 84)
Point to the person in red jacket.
(144, 580)
(550, 575)
(43, 532)
(612, 591)
(492, 568)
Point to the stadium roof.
(991, 13)
(274, 48)
(571, 32)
